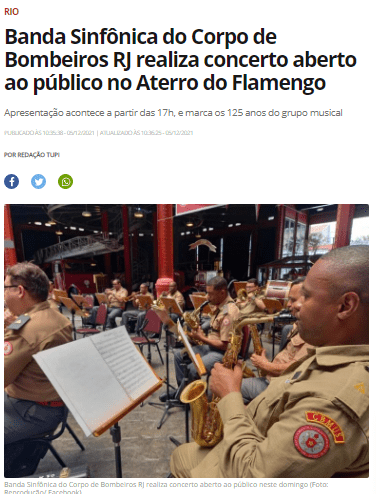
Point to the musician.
(292, 349)
(254, 301)
(214, 345)
(174, 293)
(54, 304)
(137, 312)
(312, 422)
(116, 298)
(31, 404)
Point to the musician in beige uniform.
(31, 404)
(116, 298)
(222, 319)
(254, 301)
(313, 420)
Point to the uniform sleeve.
(17, 355)
(293, 447)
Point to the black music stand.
(170, 402)
(116, 438)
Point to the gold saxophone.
(242, 295)
(207, 425)
(192, 319)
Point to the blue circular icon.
(38, 181)
(11, 181)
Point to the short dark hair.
(351, 270)
(32, 278)
(254, 281)
(298, 281)
(218, 283)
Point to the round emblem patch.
(8, 348)
(311, 441)
(226, 321)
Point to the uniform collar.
(337, 355)
(38, 307)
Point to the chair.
(151, 332)
(22, 457)
(100, 320)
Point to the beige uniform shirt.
(248, 307)
(179, 298)
(116, 298)
(23, 378)
(295, 349)
(310, 422)
(222, 320)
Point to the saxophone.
(193, 320)
(207, 425)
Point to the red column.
(345, 214)
(127, 249)
(165, 247)
(280, 230)
(10, 257)
(107, 257)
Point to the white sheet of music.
(187, 345)
(97, 377)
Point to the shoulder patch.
(19, 322)
(8, 348)
(311, 441)
(330, 424)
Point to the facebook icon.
(11, 181)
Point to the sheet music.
(187, 345)
(93, 382)
(122, 357)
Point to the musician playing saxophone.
(313, 421)
(292, 349)
(215, 343)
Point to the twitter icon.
(38, 181)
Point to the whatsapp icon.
(65, 181)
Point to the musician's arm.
(247, 453)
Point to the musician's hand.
(197, 334)
(224, 381)
(259, 361)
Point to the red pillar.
(10, 257)
(107, 257)
(280, 230)
(345, 214)
(127, 249)
(165, 247)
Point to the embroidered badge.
(226, 321)
(311, 441)
(360, 387)
(8, 348)
(330, 424)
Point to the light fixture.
(319, 209)
(86, 213)
(93, 263)
(52, 222)
(189, 223)
(198, 235)
(59, 232)
(138, 213)
(37, 223)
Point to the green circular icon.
(65, 181)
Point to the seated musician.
(254, 302)
(31, 404)
(137, 312)
(214, 345)
(311, 422)
(116, 298)
(292, 349)
(174, 293)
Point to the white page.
(87, 384)
(128, 366)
